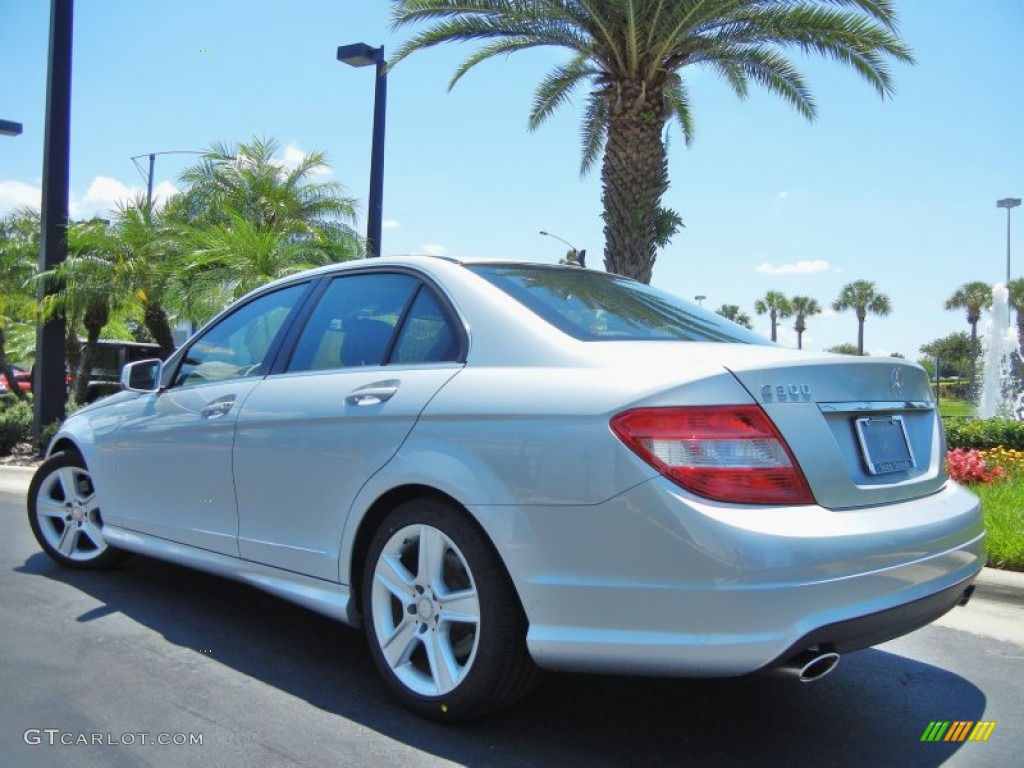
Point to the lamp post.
(363, 55)
(152, 167)
(1009, 203)
(49, 384)
(580, 256)
(699, 298)
(9, 128)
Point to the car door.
(173, 447)
(374, 351)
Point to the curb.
(992, 584)
(999, 586)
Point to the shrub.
(15, 423)
(984, 433)
(971, 467)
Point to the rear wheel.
(64, 513)
(442, 618)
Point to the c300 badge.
(786, 393)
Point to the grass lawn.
(1003, 504)
(948, 407)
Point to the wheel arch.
(375, 515)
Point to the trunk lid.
(865, 431)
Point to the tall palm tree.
(973, 297)
(862, 298)
(776, 306)
(734, 313)
(1016, 288)
(803, 307)
(632, 55)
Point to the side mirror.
(142, 376)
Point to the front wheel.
(64, 513)
(442, 618)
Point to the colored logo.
(958, 730)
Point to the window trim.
(425, 282)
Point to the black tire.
(424, 616)
(64, 513)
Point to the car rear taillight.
(725, 453)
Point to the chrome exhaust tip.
(809, 666)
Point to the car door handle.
(373, 394)
(217, 409)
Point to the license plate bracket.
(884, 443)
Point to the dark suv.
(111, 357)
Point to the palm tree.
(245, 219)
(776, 306)
(1016, 288)
(803, 307)
(973, 297)
(631, 55)
(733, 312)
(19, 250)
(861, 297)
(248, 181)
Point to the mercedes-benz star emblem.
(896, 381)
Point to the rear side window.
(597, 306)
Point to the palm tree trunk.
(155, 320)
(860, 336)
(974, 357)
(634, 176)
(72, 351)
(96, 316)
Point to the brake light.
(726, 453)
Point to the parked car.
(22, 378)
(111, 356)
(495, 468)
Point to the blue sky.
(900, 191)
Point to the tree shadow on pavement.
(872, 711)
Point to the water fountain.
(1001, 396)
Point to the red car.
(22, 378)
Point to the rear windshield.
(597, 306)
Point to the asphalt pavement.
(151, 650)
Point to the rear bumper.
(657, 582)
(865, 631)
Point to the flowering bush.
(1010, 459)
(971, 466)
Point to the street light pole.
(361, 55)
(1009, 203)
(49, 386)
(580, 256)
(9, 128)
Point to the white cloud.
(390, 224)
(105, 194)
(100, 199)
(431, 249)
(292, 156)
(782, 195)
(799, 268)
(17, 194)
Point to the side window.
(237, 346)
(426, 336)
(354, 322)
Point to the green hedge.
(984, 433)
(15, 422)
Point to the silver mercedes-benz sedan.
(498, 468)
